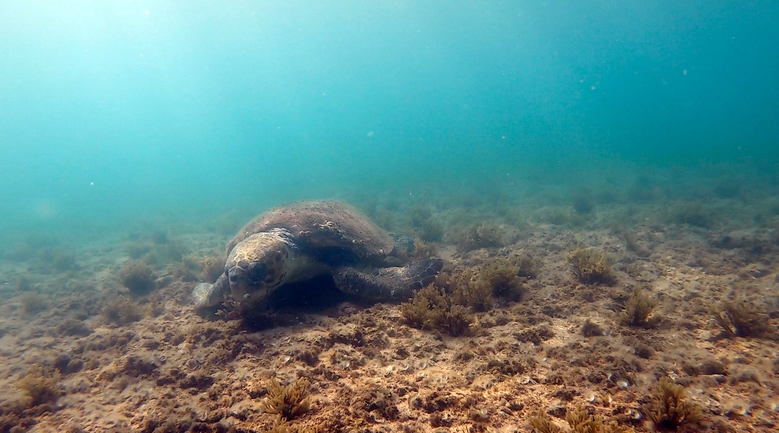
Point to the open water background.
(117, 111)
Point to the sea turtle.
(303, 240)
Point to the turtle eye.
(257, 273)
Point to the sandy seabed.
(366, 370)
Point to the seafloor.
(80, 352)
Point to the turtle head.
(258, 265)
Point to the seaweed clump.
(288, 402)
(583, 203)
(631, 242)
(542, 423)
(502, 277)
(64, 261)
(670, 407)
(282, 426)
(40, 386)
(157, 248)
(742, 319)
(528, 267)
(591, 266)
(427, 228)
(638, 310)
(592, 329)
(485, 235)
(188, 269)
(477, 289)
(423, 250)
(467, 289)
(579, 420)
(433, 308)
(692, 214)
(555, 216)
(121, 312)
(213, 268)
(32, 303)
(24, 284)
(138, 277)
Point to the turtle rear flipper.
(421, 273)
(396, 283)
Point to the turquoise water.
(111, 112)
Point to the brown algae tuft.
(466, 288)
(213, 267)
(502, 277)
(288, 402)
(670, 407)
(638, 310)
(742, 319)
(433, 308)
(138, 277)
(121, 312)
(32, 303)
(40, 385)
(488, 234)
(427, 228)
(579, 420)
(542, 423)
(591, 266)
(592, 329)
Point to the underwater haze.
(113, 111)
(576, 208)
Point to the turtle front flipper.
(210, 295)
(382, 284)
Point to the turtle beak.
(239, 283)
(246, 282)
